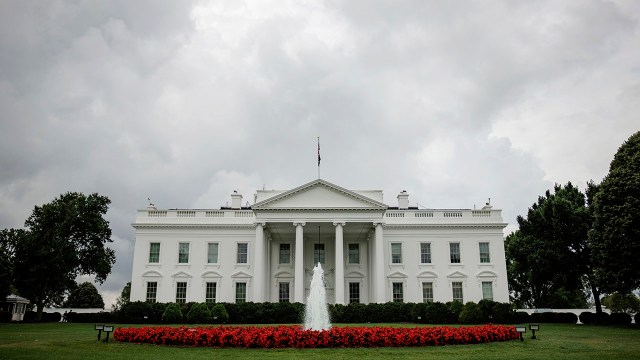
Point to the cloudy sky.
(184, 102)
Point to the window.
(487, 290)
(454, 251)
(397, 292)
(241, 292)
(425, 253)
(354, 253)
(181, 292)
(456, 287)
(318, 253)
(183, 253)
(154, 252)
(354, 292)
(152, 291)
(210, 292)
(242, 256)
(427, 292)
(212, 253)
(285, 253)
(484, 253)
(283, 292)
(396, 253)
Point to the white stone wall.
(319, 204)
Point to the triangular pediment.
(457, 275)
(319, 194)
(397, 275)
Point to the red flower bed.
(296, 337)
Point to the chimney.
(403, 200)
(236, 200)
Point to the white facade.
(370, 252)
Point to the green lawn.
(555, 341)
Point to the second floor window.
(396, 253)
(425, 253)
(154, 252)
(484, 253)
(285, 253)
(183, 253)
(454, 251)
(354, 254)
(212, 253)
(243, 252)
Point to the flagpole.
(318, 157)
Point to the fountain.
(316, 315)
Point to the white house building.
(371, 252)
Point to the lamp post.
(521, 330)
(534, 328)
(99, 327)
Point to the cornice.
(194, 226)
(420, 226)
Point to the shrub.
(199, 314)
(136, 312)
(419, 313)
(587, 317)
(437, 313)
(51, 317)
(502, 313)
(219, 314)
(172, 314)
(636, 317)
(5, 316)
(99, 317)
(155, 315)
(186, 307)
(470, 314)
(455, 308)
(355, 313)
(602, 319)
(521, 317)
(620, 319)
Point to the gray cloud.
(185, 102)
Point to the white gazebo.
(16, 306)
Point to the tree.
(547, 257)
(84, 295)
(626, 303)
(63, 239)
(615, 235)
(7, 239)
(124, 297)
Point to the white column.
(259, 268)
(339, 286)
(298, 294)
(379, 264)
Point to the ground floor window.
(283, 292)
(210, 293)
(152, 291)
(487, 290)
(181, 292)
(456, 287)
(354, 292)
(427, 292)
(241, 292)
(398, 295)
